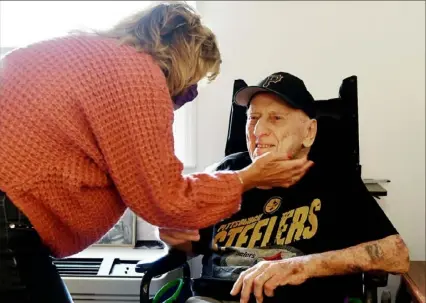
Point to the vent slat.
(78, 267)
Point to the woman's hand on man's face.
(274, 169)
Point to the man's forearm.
(389, 254)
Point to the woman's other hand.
(273, 169)
(175, 237)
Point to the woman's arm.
(178, 239)
(133, 126)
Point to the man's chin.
(258, 153)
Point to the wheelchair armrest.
(372, 281)
(172, 260)
(375, 279)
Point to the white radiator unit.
(107, 279)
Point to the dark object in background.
(236, 139)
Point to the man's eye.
(252, 117)
(277, 117)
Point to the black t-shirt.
(326, 210)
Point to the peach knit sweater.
(86, 131)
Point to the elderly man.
(313, 238)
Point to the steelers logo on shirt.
(272, 205)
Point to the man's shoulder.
(234, 161)
(333, 177)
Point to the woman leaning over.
(86, 131)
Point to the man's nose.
(260, 129)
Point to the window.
(25, 22)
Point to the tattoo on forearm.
(374, 251)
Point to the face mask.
(187, 96)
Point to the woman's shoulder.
(93, 52)
(123, 68)
(119, 56)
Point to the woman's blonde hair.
(172, 33)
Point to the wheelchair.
(337, 118)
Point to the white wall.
(383, 43)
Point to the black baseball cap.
(288, 87)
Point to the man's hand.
(265, 276)
(174, 237)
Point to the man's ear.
(311, 132)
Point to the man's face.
(272, 125)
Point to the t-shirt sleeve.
(133, 125)
(365, 219)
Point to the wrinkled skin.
(274, 125)
(389, 254)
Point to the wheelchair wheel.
(171, 292)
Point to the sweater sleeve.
(133, 127)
